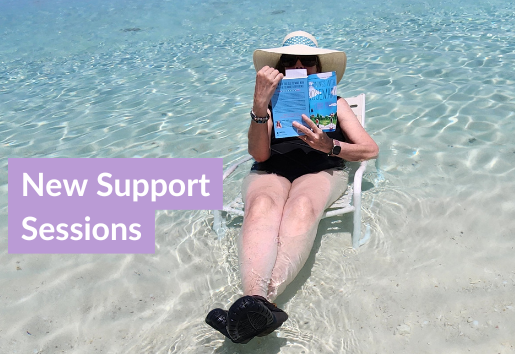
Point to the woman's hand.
(267, 80)
(314, 137)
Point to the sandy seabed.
(438, 276)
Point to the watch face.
(336, 150)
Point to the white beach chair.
(348, 202)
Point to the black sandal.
(217, 319)
(252, 316)
(279, 316)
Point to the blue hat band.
(299, 40)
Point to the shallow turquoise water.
(175, 79)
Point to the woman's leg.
(309, 196)
(264, 196)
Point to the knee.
(263, 204)
(302, 208)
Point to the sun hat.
(302, 43)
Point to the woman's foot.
(279, 316)
(252, 316)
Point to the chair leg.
(356, 234)
(217, 221)
(219, 224)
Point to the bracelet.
(259, 120)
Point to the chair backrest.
(357, 104)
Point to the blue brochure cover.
(322, 100)
(313, 95)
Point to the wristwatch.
(260, 120)
(336, 148)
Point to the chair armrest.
(229, 170)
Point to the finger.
(265, 68)
(309, 122)
(271, 75)
(270, 71)
(278, 78)
(302, 129)
(265, 71)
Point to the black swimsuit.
(292, 157)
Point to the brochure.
(298, 93)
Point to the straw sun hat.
(302, 43)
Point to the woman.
(290, 185)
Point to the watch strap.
(336, 148)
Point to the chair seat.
(342, 205)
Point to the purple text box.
(86, 210)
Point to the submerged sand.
(437, 276)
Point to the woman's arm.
(362, 146)
(267, 80)
(259, 138)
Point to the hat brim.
(330, 60)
